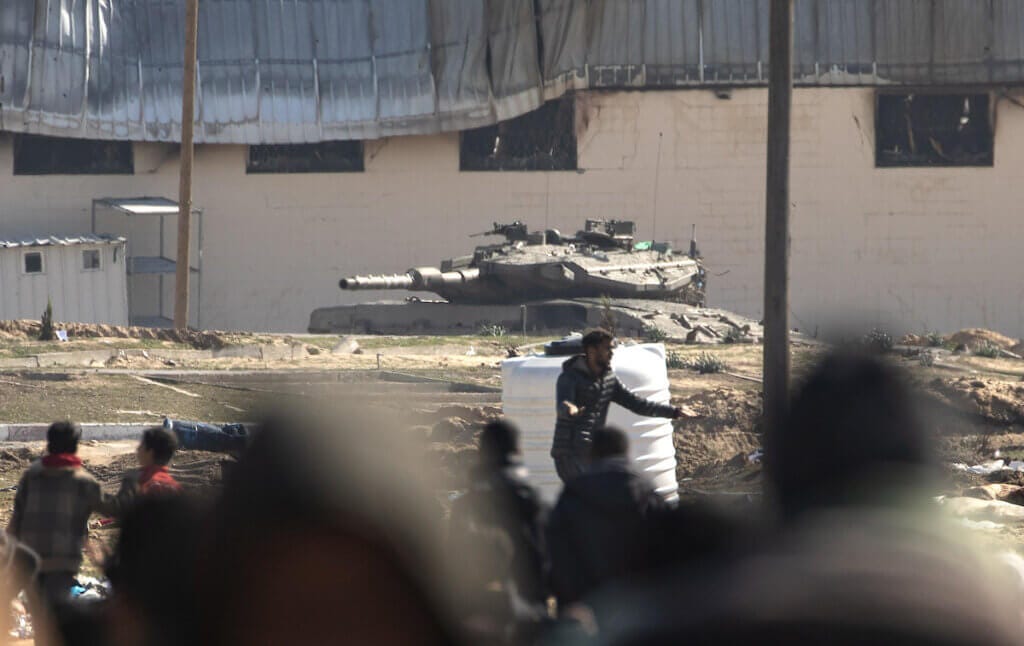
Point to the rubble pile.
(200, 340)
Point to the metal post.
(188, 92)
(776, 242)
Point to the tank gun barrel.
(428, 279)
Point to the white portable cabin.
(84, 277)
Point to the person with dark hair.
(583, 392)
(154, 453)
(599, 530)
(343, 519)
(501, 519)
(860, 553)
(55, 498)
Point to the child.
(155, 450)
(154, 453)
(51, 510)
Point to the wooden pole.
(188, 93)
(776, 241)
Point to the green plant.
(46, 331)
(493, 330)
(608, 318)
(654, 334)
(986, 349)
(705, 363)
(926, 358)
(877, 340)
(676, 361)
(934, 339)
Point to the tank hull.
(631, 317)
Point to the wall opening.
(91, 259)
(39, 155)
(324, 157)
(933, 130)
(544, 139)
(33, 262)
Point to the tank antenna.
(547, 200)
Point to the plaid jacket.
(51, 511)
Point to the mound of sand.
(27, 329)
(988, 401)
(728, 425)
(975, 337)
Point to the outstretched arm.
(565, 397)
(630, 401)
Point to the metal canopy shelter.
(138, 214)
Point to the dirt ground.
(976, 403)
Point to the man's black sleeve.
(565, 391)
(628, 400)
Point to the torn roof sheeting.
(54, 241)
(294, 71)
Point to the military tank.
(602, 260)
(539, 281)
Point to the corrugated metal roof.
(293, 71)
(55, 241)
(140, 205)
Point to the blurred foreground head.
(499, 443)
(326, 533)
(854, 430)
(609, 442)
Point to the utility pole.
(188, 94)
(776, 240)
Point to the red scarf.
(62, 460)
(156, 479)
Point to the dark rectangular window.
(544, 139)
(33, 262)
(323, 157)
(38, 155)
(933, 130)
(90, 259)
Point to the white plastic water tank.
(528, 400)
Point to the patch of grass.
(654, 334)
(322, 342)
(375, 342)
(493, 330)
(675, 361)
(705, 363)
(934, 339)
(608, 319)
(986, 349)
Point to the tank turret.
(603, 259)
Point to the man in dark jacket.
(496, 535)
(600, 529)
(584, 390)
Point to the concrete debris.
(998, 491)
(988, 468)
(975, 509)
(346, 345)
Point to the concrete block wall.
(905, 248)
